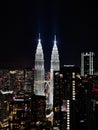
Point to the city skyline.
(74, 24)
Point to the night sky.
(75, 24)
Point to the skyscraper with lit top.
(55, 66)
(39, 70)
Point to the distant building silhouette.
(87, 63)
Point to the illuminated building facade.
(14, 84)
(65, 98)
(55, 66)
(39, 75)
(19, 114)
(91, 101)
(87, 63)
(5, 98)
(17, 80)
(29, 80)
(5, 80)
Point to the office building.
(65, 97)
(87, 63)
(29, 80)
(5, 98)
(19, 114)
(38, 109)
(5, 80)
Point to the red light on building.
(95, 89)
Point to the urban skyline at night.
(75, 96)
(48, 65)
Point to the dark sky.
(74, 22)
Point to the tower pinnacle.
(55, 38)
(55, 66)
(39, 39)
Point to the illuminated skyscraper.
(55, 66)
(39, 74)
(87, 63)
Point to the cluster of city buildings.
(65, 98)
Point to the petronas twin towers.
(39, 76)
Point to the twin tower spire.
(39, 56)
(39, 77)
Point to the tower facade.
(39, 73)
(64, 101)
(87, 63)
(55, 66)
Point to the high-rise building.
(39, 75)
(65, 98)
(5, 80)
(55, 66)
(14, 84)
(29, 79)
(38, 108)
(17, 80)
(19, 114)
(87, 99)
(87, 63)
(5, 98)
